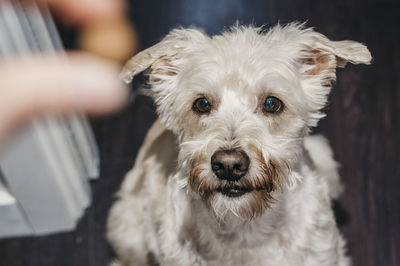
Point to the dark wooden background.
(363, 125)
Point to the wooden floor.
(363, 126)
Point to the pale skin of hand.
(34, 85)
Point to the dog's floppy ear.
(323, 56)
(164, 57)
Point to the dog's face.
(241, 104)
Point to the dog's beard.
(246, 198)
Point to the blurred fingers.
(48, 84)
(84, 11)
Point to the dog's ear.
(165, 57)
(322, 56)
(317, 58)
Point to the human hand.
(48, 84)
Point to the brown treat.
(113, 39)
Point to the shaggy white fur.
(174, 209)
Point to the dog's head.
(241, 104)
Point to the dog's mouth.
(234, 191)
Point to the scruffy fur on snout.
(251, 96)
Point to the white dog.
(229, 175)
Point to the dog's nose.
(230, 165)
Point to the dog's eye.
(272, 105)
(201, 106)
